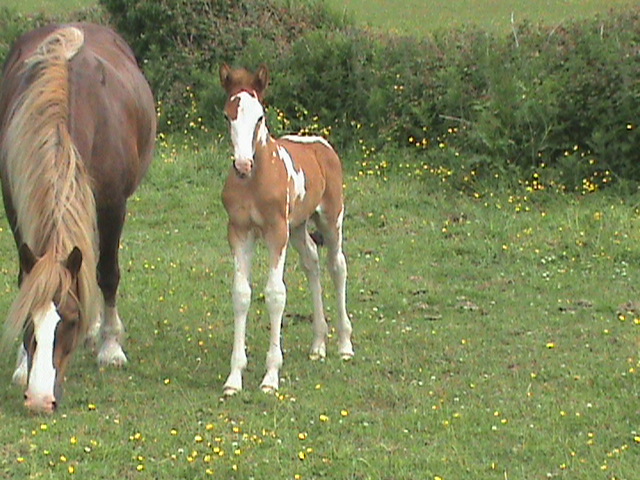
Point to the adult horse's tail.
(49, 187)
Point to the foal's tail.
(317, 237)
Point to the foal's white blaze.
(249, 125)
(297, 176)
(42, 377)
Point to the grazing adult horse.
(77, 128)
(274, 188)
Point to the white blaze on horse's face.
(40, 394)
(247, 127)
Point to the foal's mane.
(48, 183)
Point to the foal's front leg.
(276, 297)
(242, 253)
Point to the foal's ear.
(74, 261)
(27, 258)
(225, 72)
(262, 79)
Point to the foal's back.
(323, 176)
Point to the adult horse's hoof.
(111, 354)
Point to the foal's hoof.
(315, 356)
(268, 389)
(230, 391)
(346, 357)
(318, 353)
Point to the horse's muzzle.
(40, 403)
(243, 167)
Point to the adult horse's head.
(49, 304)
(77, 128)
(245, 113)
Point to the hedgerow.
(560, 102)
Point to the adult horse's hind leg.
(306, 247)
(110, 223)
(332, 232)
(21, 373)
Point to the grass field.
(49, 6)
(497, 336)
(491, 334)
(417, 16)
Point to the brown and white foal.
(275, 187)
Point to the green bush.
(182, 43)
(14, 24)
(556, 102)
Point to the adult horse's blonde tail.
(48, 182)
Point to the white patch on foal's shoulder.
(297, 176)
(307, 139)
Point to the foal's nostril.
(54, 405)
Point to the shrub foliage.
(563, 97)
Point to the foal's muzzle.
(243, 167)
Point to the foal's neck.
(265, 151)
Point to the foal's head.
(49, 300)
(245, 113)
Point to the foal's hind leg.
(332, 231)
(110, 223)
(306, 247)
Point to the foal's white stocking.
(241, 301)
(309, 260)
(276, 297)
(338, 270)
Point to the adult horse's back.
(77, 127)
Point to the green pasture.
(411, 16)
(49, 6)
(418, 16)
(496, 328)
(496, 336)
